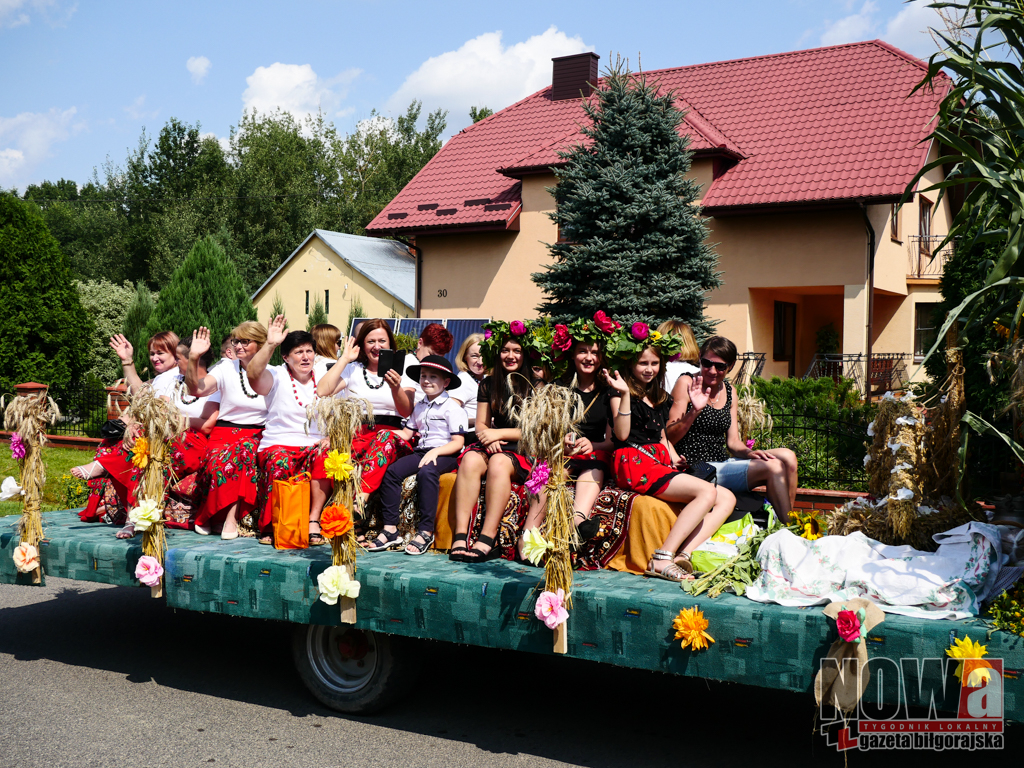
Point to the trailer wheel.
(353, 670)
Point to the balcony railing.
(748, 365)
(888, 370)
(923, 261)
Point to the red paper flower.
(849, 626)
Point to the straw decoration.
(28, 415)
(752, 415)
(545, 418)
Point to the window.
(894, 223)
(307, 302)
(925, 229)
(327, 301)
(784, 346)
(926, 329)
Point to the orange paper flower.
(140, 453)
(335, 521)
(690, 626)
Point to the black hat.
(434, 363)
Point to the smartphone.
(399, 361)
(385, 362)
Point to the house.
(801, 156)
(341, 270)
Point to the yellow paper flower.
(145, 515)
(140, 453)
(689, 626)
(339, 466)
(968, 649)
(535, 546)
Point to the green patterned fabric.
(616, 618)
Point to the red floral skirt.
(521, 465)
(594, 460)
(102, 491)
(229, 474)
(636, 471)
(279, 462)
(374, 448)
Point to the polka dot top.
(705, 440)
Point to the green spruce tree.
(136, 320)
(317, 315)
(204, 290)
(632, 240)
(44, 331)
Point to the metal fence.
(888, 370)
(83, 410)
(829, 446)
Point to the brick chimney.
(573, 75)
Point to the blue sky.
(80, 80)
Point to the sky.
(79, 81)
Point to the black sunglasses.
(720, 367)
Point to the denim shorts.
(732, 474)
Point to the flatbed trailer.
(617, 618)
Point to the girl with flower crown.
(644, 460)
(290, 445)
(494, 456)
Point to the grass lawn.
(59, 462)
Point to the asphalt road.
(93, 675)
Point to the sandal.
(266, 539)
(588, 528)
(385, 541)
(89, 471)
(415, 548)
(476, 556)
(128, 532)
(317, 538)
(672, 572)
(458, 554)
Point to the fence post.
(30, 388)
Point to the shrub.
(107, 304)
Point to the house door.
(784, 346)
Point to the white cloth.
(193, 409)
(320, 364)
(286, 415)
(236, 405)
(947, 584)
(381, 399)
(675, 369)
(467, 392)
(163, 383)
(436, 420)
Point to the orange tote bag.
(290, 512)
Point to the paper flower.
(26, 558)
(145, 515)
(10, 489)
(334, 583)
(335, 521)
(871, 429)
(851, 624)
(640, 331)
(925, 510)
(968, 649)
(149, 571)
(889, 396)
(906, 421)
(538, 477)
(17, 447)
(894, 447)
(867, 458)
(751, 443)
(517, 327)
(551, 609)
(690, 626)
(339, 466)
(904, 494)
(562, 340)
(900, 467)
(140, 453)
(535, 546)
(605, 323)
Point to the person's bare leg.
(318, 490)
(788, 458)
(773, 475)
(588, 488)
(467, 489)
(725, 503)
(230, 520)
(535, 516)
(699, 498)
(496, 495)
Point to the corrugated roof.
(388, 263)
(815, 126)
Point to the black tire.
(352, 670)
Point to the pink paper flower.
(550, 608)
(849, 626)
(605, 323)
(149, 571)
(751, 443)
(561, 341)
(487, 334)
(518, 327)
(26, 558)
(538, 477)
(640, 331)
(17, 447)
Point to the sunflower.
(339, 466)
(968, 649)
(140, 453)
(807, 525)
(689, 626)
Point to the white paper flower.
(909, 397)
(871, 429)
(889, 396)
(867, 458)
(944, 398)
(925, 510)
(904, 494)
(906, 421)
(10, 489)
(894, 447)
(901, 466)
(26, 558)
(145, 515)
(334, 583)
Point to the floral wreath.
(496, 333)
(627, 344)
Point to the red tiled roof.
(807, 127)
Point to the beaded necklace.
(241, 380)
(367, 380)
(181, 392)
(295, 391)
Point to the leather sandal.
(476, 556)
(385, 540)
(316, 538)
(458, 554)
(415, 548)
(671, 572)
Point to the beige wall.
(317, 268)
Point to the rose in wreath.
(517, 327)
(640, 331)
(562, 340)
(605, 323)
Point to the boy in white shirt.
(436, 418)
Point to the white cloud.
(14, 13)
(224, 141)
(136, 110)
(484, 72)
(26, 140)
(198, 66)
(907, 30)
(296, 88)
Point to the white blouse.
(675, 369)
(163, 383)
(467, 392)
(192, 407)
(237, 404)
(286, 411)
(379, 397)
